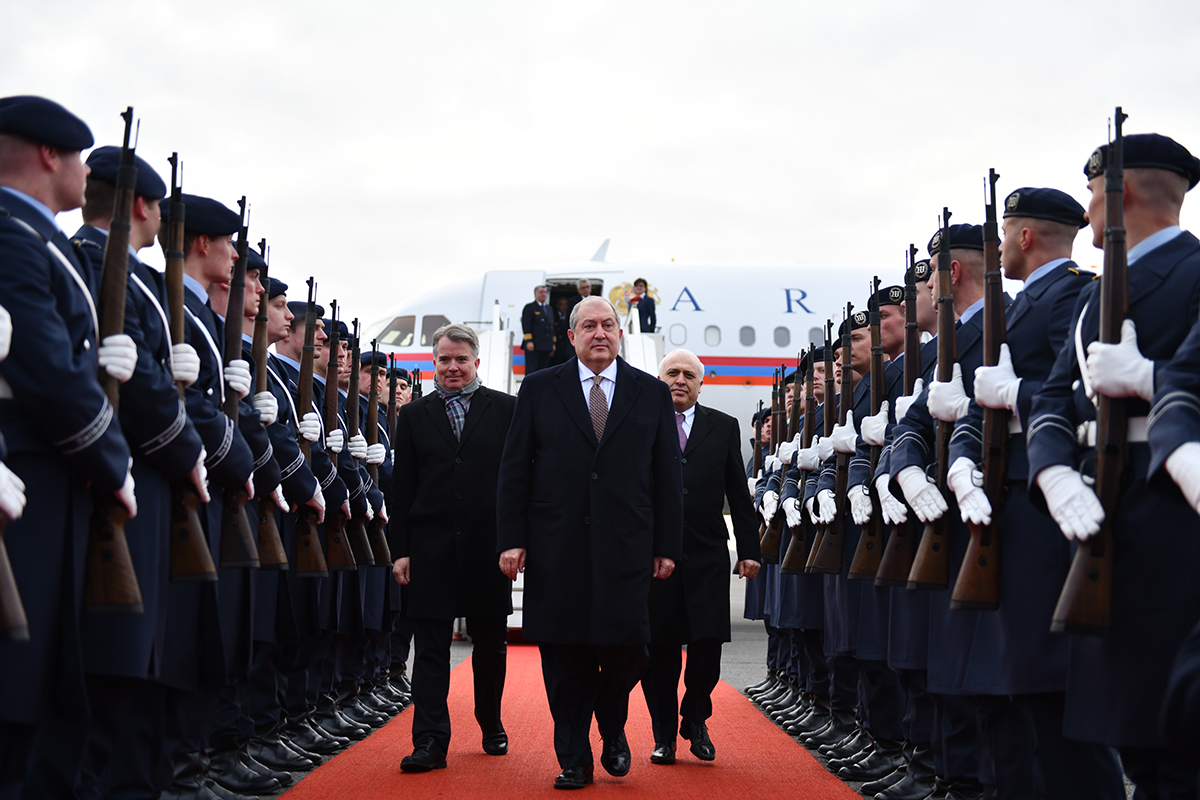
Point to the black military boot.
(817, 716)
(848, 747)
(841, 725)
(766, 684)
(885, 758)
(872, 788)
(918, 780)
(227, 770)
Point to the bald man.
(691, 607)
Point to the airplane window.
(783, 337)
(816, 337)
(399, 333)
(678, 334)
(746, 335)
(429, 326)
(712, 336)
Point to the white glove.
(922, 494)
(317, 501)
(237, 377)
(752, 484)
(905, 402)
(825, 448)
(376, 453)
(370, 513)
(826, 506)
(770, 504)
(12, 493)
(1072, 502)
(948, 401)
(335, 441)
(1184, 468)
(807, 458)
(185, 364)
(894, 512)
(358, 447)
(267, 406)
(874, 428)
(770, 465)
(791, 513)
(809, 503)
(310, 426)
(967, 484)
(5, 335)
(199, 477)
(279, 500)
(788, 449)
(843, 438)
(118, 357)
(1120, 370)
(250, 487)
(383, 514)
(125, 494)
(998, 386)
(860, 504)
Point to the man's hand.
(860, 504)
(512, 561)
(1183, 466)
(770, 504)
(663, 567)
(125, 494)
(752, 484)
(199, 477)
(358, 447)
(12, 493)
(118, 357)
(267, 407)
(5, 333)
(400, 571)
(807, 458)
(310, 427)
(922, 494)
(376, 453)
(894, 512)
(791, 512)
(904, 403)
(383, 512)
(1071, 502)
(250, 487)
(825, 448)
(747, 568)
(843, 439)
(948, 401)
(335, 441)
(529, 346)
(237, 377)
(317, 502)
(874, 427)
(1120, 370)
(185, 364)
(826, 506)
(280, 501)
(998, 386)
(967, 484)
(771, 465)
(787, 450)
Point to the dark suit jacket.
(538, 325)
(592, 516)
(445, 514)
(693, 603)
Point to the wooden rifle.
(340, 556)
(310, 556)
(978, 583)
(829, 420)
(897, 558)
(870, 541)
(931, 564)
(356, 528)
(756, 459)
(191, 558)
(828, 557)
(797, 550)
(375, 529)
(110, 583)
(1085, 604)
(771, 543)
(418, 391)
(270, 544)
(771, 532)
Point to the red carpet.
(754, 757)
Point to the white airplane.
(742, 321)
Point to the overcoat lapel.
(702, 425)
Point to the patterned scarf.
(457, 402)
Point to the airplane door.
(513, 289)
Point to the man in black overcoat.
(692, 606)
(591, 508)
(442, 536)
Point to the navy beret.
(1047, 204)
(855, 321)
(887, 296)
(819, 355)
(206, 216)
(921, 271)
(962, 237)
(254, 260)
(343, 330)
(401, 374)
(366, 359)
(43, 121)
(1149, 151)
(300, 307)
(791, 376)
(105, 161)
(277, 288)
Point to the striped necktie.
(599, 407)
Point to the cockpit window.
(429, 325)
(399, 333)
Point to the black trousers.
(535, 360)
(660, 685)
(431, 674)
(582, 680)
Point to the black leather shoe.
(303, 734)
(353, 710)
(697, 732)
(847, 747)
(227, 771)
(663, 753)
(315, 758)
(758, 688)
(214, 791)
(573, 778)
(965, 789)
(284, 778)
(886, 782)
(274, 754)
(495, 743)
(884, 759)
(427, 755)
(614, 756)
(918, 780)
(837, 764)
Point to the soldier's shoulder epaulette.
(1093, 272)
(86, 243)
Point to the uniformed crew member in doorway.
(593, 526)
(537, 323)
(563, 350)
(645, 306)
(443, 538)
(691, 607)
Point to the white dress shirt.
(609, 384)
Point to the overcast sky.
(385, 146)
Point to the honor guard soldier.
(1116, 683)
(537, 324)
(59, 430)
